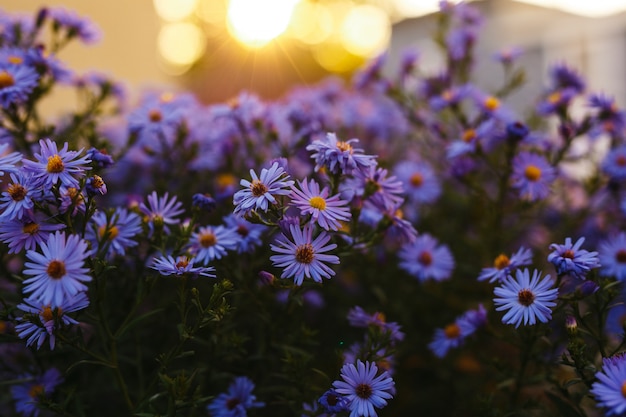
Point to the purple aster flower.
(532, 176)
(236, 401)
(472, 139)
(610, 385)
(339, 157)
(182, 265)
(16, 83)
(95, 186)
(204, 202)
(333, 402)
(17, 200)
(75, 25)
(161, 211)
(249, 233)
(491, 106)
(372, 184)
(570, 259)
(8, 160)
(608, 117)
(54, 166)
(114, 231)
(504, 266)
(57, 273)
(100, 157)
(364, 389)
(26, 233)
(28, 394)
(419, 181)
(614, 163)
(301, 256)
(259, 193)
(400, 231)
(326, 211)
(563, 77)
(212, 242)
(508, 55)
(357, 317)
(72, 200)
(612, 256)
(525, 299)
(454, 334)
(42, 320)
(447, 96)
(556, 101)
(426, 259)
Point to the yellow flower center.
(501, 262)
(525, 297)
(30, 228)
(225, 180)
(35, 391)
(492, 103)
(452, 331)
(207, 239)
(344, 146)
(624, 389)
(469, 135)
(155, 116)
(532, 173)
(46, 313)
(55, 164)
(554, 98)
(6, 80)
(416, 179)
(317, 202)
(568, 254)
(17, 192)
(258, 188)
(305, 253)
(15, 60)
(108, 233)
(166, 97)
(182, 263)
(56, 269)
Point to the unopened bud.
(571, 325)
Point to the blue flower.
(610, 386)
(454, 334)
(17, 200)
(249, 233)
(532, 176)
(212, 242)
(614, 163)
(326, 211)
(357, 317)
(525, 299)
(75, 25)
(8, 160)
(236, 401)
(426, 259)
(26, 233)
(364, 389)
(161, 211)
(504, 266)
(570, 260)
(55, 165)
(182, 265)
(28, 394)
(333, 402)
(259, 193)
(57, 273)
(42, 320)
(16, 83)
(419, 181)
(612, 255)
(114, 231)
(304, 257)
(339, 157)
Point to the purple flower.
(259, 193)
(26, 233)
(42, 320)
(333, 402)
(8, 160)
(95, 185)
(100, 157)
(16, 83)
(301, 256)
(454, 334)
(612, 256)
(114, 231)
(339, 157)
(182, 265)
(212, 242)
(504, 266)
(372, 184)
(161, 211)
(526, 300)
(236, 401)
(54, 166)
(608, 117)
(249, 233)
(569, 259)
(472, 139)
(614, 163)
(508, 55)
(610, 384)
(532, 176)
(364, 389)
(17, 200)
(357, 317)
(563, 77)
(58, 272)
(75, 25)
(28, 394)
(426, 259)
(419, 181)
(326, 211)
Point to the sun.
(255, 23)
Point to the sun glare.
(255, 23)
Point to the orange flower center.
(425, 258)
(416, 179)
(155, 116)
(501, 262)
(525, 297)
(182, 263)
(35, 391)
(258, 188)
(111, 233)
(17, 192)
(46, 313)
(15, 60)
(620, 256)
(317, 202)
(305, 253)
(624, 389)
(364, 391)
(492, 103)
(344, 146)
(208, 239)
(469, 135)
(30, 228)
(532, 173)
(6, 80)
(452, 331)
(55, 164)
(56, 269)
